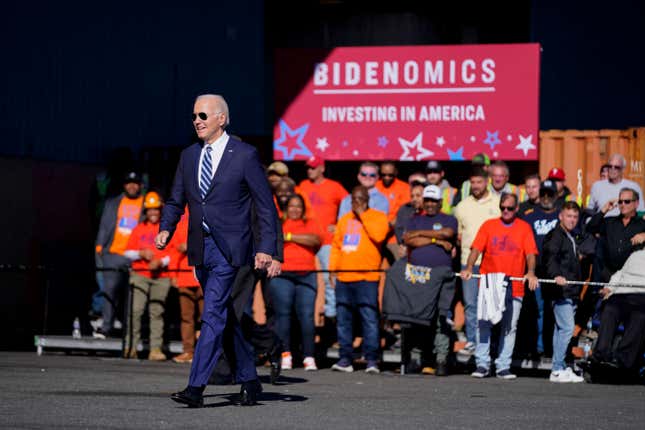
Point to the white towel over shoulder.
(491, 298)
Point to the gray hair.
(623, 162)
(221, 103)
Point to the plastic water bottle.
(586, 347)
(76, 328)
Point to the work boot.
(156, 355)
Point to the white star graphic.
(322, 144)
(495, 154)
(472, 138)
(414, 144)
(440, 141)
(525, 144)
(509, 137)
(355, 152)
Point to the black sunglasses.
(613, 166)
(202, 115)
(371, 175)
(507, 208)
(387, 175)
(625, 202)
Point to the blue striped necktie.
(205, 178)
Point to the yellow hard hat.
(152, 201)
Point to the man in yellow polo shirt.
(480, 206)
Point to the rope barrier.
(552, 281)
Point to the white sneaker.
(565, 376)
(309, 363)
(96, 323)
(117, 324)
(468, 349)
(287, 363)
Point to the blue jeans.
(301, 289)
(506, 339)
(364, 296)
(539, 300)
(330, 294)
(563, 311)
(470, 288)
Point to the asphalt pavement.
(58, 391)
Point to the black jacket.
(559, 258)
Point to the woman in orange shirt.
(297, 283)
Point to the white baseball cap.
(432, 192)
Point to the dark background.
(91, 88)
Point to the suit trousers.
(219, 323)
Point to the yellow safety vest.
(447, 197)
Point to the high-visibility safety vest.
(522, 195)
(447, 196)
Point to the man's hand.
(638, 239)
(162, 239)
(533, 281)
(561, 281)
(605, 292)
(403, 251)
(319, 310)
(155, 264)
(146, 254)
(262, 260)
(609, 206)
(274, 269)
(466, 274)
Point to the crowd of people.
(393, 254)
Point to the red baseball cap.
(314, 162)
(556, 174)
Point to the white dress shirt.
(216, 154)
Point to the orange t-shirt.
(357, 245)
(324, 199)
(299, 257)
(185, 276)
(127, 219)
(397, 195)
(143, 237)
(505, 248)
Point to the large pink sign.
(408, 103)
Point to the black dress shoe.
(249, 393)
(189, 397)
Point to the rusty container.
(581, 153)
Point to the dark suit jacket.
(238, 181)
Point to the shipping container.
(581, 153)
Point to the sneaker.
(287, 361)
(480, 372)
(309, 363)
(564, 376)
(343, 365)
(156, 355)
(468, 349)
(96, 323)
(99, 334)
(184, 357)
(117, 324)
(506, 374)
(372, 367)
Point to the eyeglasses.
(371, 175)
(202, 115)
(613, 166)
(625, 202)
(507, 208)
(387, 175)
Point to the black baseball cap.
(132, 177)
(433, 166)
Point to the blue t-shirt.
(541, 223)
(431, 255)
(377, 201)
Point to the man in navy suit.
(220, 179)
